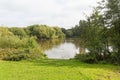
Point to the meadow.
(57, 69)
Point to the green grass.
(57, 70)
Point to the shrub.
(16, 42)
(18, 31)
(15, 49)
(86, 58)
(20, 54)
(15, 56)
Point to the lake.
(60, 48)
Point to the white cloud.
(64, 13)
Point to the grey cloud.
(52, 12)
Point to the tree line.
(21, 43)
(100, 33)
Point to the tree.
(112, 20)
(69, 33)
(18, 31)
(5, 32)
(45, 32)
(58, 32)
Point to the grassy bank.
(57, 70)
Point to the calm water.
(60, 49)
(64, 48)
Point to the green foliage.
(16, 42)
(63, 30)
(86, 58)
(58, 32)
(20, 54)
(113, 7)
(19, 43)
(16, 48)
(13, 54)
(45, 32)
(5, 32)
(77, 31)
(92, 37)
(101, 32)
(69, 33)
(18, 31)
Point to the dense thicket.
(15, 48)
(18, 32)
(101, 33)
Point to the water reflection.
(60, 48)
(65, 48)
(49, 44)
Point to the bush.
(5, 32)
(18, 32)
(16, 42)
(20, 54)
(15, 57)
(86, 58)
(15, 49)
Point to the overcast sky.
(62, 13)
